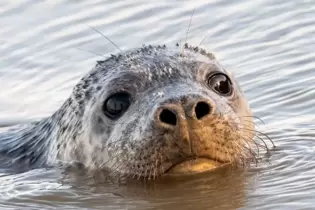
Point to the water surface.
(269, 46)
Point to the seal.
(145, 112)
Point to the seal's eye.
(220, 83)
(116, 105)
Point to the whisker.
(267, 137)
(240, 148)
(254, 131)
(134, 172)
(98, 54)
(248, 121)
(256, 117)
(189, 25)
(161, 168)
(204, 39)
(248, 140)
(117, 170)
(261, 133)
(140, 174)
(258, 131)
(256, 143)
(259, 145)
(258, 136)
(114, 156)
(102, 167)
(251, 151)
(105, 37)
(146, 169)
(150, 174)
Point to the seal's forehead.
(161, 61)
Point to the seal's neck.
(44, 142)
(40, 143)
(26, 146)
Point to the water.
(269, 45)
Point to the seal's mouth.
(196, 165)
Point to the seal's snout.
(172, 114)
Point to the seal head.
(151, 111)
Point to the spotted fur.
(134, 144)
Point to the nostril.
(202, 109)
(168, 117)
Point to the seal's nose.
(181, 118)
(171, 114)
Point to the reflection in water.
(223, 189)
(268, 45)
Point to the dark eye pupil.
(116, 105)
(220, 83)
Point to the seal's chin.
(193, 166)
